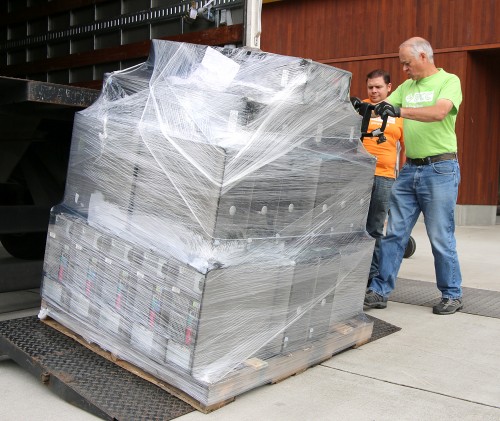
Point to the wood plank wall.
(334, 29)
(345, 31)
(360, 36)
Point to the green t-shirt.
(428, 139)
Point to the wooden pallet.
(254, 372)
(135, 370)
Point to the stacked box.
(213, 225)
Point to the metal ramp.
(84, 378)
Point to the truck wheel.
(29, 246)
(410, 248)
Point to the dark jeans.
(431, 190)
(377, 214)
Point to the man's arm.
(436, 112)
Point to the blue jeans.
(433, 190)
(379, 206)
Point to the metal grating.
(480, 302)
(381, 328)
(84, 378)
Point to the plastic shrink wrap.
(213, 227)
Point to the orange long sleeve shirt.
(386, 152)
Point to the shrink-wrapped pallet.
(212, 231)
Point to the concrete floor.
(436, 367)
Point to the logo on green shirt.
(419, 97)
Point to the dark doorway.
(480, 158)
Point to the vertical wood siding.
(359, 36)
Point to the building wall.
(359, 36)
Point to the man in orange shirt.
(378, 83)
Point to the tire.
(28, 246)
(410, 248)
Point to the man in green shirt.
(428, 183)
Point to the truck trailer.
(53, 58)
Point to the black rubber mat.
(83, 377)
(480, 302)
(91, 382)
(381, 328)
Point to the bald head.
(416, 46)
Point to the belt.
(431, 159)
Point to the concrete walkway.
(435, 368)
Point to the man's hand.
(384, 108)
(356, 102)
(361, 107)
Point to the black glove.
(361, 107)
(356, 102)
(384, 108)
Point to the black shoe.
(448, 306)
(374, 300)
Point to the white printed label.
(319, 133)
(142, 338)
(81, 305)
(52, 290)
(232, 121)
(284, 78)
(178, 354)
(111, 320)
